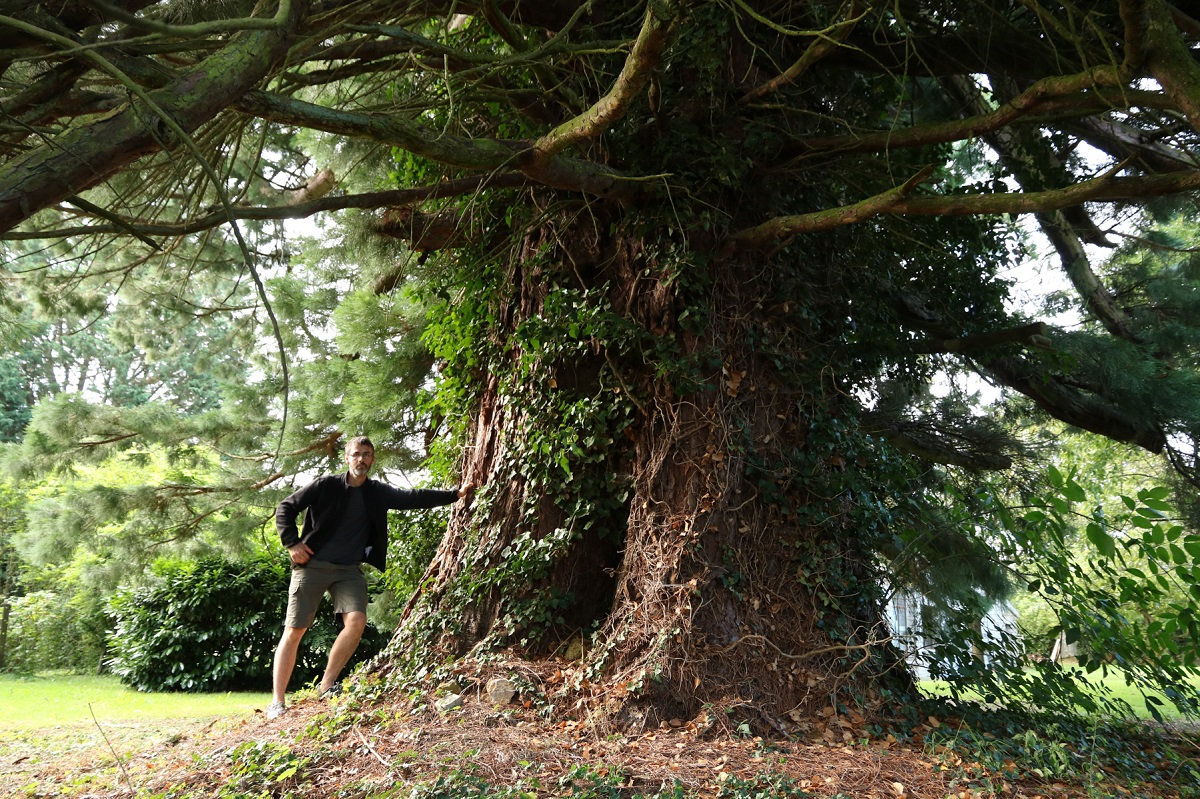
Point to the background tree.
(690, 267)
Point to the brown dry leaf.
(735, 380)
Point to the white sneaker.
(275, 710)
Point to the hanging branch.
(396, 198)
(86, 156)
(827, 41)
(168, 123)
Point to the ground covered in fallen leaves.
(358, 746)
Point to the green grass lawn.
(49, 700)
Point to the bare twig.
(384, 761)
(111, 748)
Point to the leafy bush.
(212, 625)
(52, 631)
(1123, 585)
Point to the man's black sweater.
(324, 500)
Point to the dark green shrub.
(212, 625)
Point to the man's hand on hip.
(300, 553)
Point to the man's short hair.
(366, 442)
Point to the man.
(345, 525)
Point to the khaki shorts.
(346, 585)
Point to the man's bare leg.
(285, 660)
(343, 647)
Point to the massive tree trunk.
(694, 518)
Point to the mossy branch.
(278, 21)
(784, 227)
(1170, 61)
(639, 66)
(1077, 95)
(558, 172)
(1105, 188)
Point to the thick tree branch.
(68, 15)
(1170, 61)
(370, 200)
(1083, 410)
(86, 156)
(1136, 19)
(1104, 188)
(1186, 24)
(1122, 141)
(53, 84)
(425, 232)
(643, 58)
(1101, 189)
(1033, 334)
(282, 14)
(1085, 93)
(1049, 391)
(784, 227)
(1078, 268)
(559, 172)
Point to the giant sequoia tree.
(691, 268)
